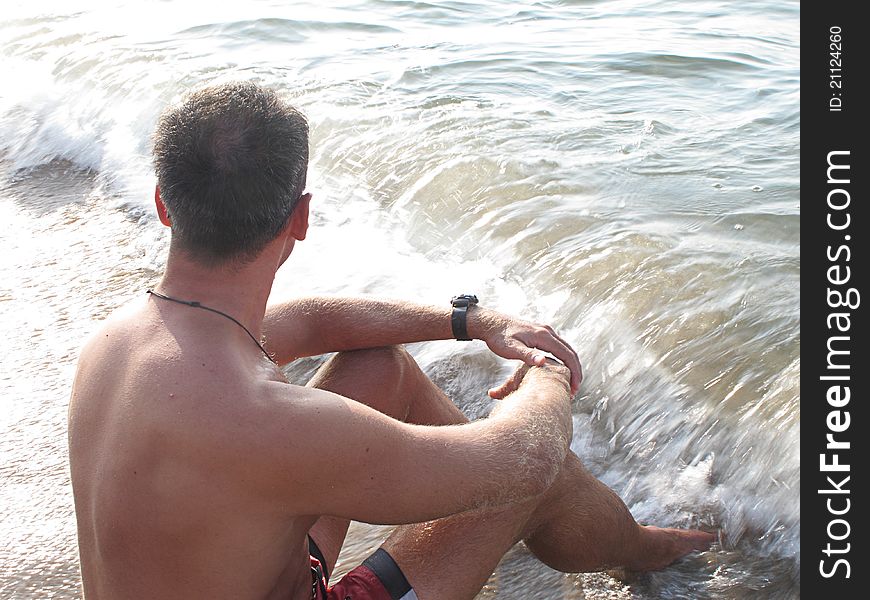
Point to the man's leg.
(390, 381)
(579, 524)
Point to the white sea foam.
(561, 163)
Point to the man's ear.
(161, 208)
(299, 219)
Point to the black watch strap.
(459, 318)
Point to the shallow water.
(626, 171)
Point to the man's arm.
(326, 454)
(316, 325)
(319, 324)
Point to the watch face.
(464, 300)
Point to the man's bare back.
(159, 438)
(199, 472)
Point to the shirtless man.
(199, 472)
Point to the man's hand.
(551, 369)
(515, 339)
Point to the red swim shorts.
(378, 578)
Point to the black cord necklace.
(196, 304)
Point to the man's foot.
(660, 547)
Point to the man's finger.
(546, 341)
(569, 357)
(512, 383)
(575, 374)
(537, 359)
(528, 353)
(561, 350)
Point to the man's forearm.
(533, 428)
(542, 400)
(316, 325)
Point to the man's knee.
(387, 357)
(391, 364)
(379, 377)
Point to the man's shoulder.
(127, 316)
(120, 321)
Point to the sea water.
(626, 171)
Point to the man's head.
(231, 162)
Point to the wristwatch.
(458, 320)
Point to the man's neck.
(239, 291)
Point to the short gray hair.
(231, 163)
